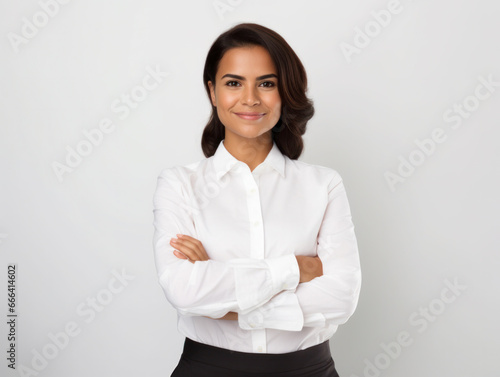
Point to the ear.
(212, 93)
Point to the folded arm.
(208, 287)
(328, 299)
(192, 249)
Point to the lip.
(250, 116)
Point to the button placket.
(256, 246)
(255, 217)
(259, 340)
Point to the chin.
(251, 131)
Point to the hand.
(188, 248)
(310, 268)
(192, 249)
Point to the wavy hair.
(296, 108)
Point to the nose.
(250, 96)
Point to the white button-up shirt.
(252, 224)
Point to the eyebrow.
(242, 78)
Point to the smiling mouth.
(250, 116)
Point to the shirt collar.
(225, 161)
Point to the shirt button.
(252, 191)
(252, 325)
(256, 223)
(259, 348)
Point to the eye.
(269, 82)
(229, 82)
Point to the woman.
(254, 248)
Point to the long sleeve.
(331, 298)
(209, 288)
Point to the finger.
(194, 245)
(180, 255)
(190, 254)
(197, 245)
(190, 249)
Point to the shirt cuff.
(285, 272)
(282, 312)
(258, 280)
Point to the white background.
(68, 237)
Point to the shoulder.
(323, 174)
(181, 173)
(177, 179)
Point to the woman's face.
(246, 82)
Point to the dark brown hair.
(296, 108)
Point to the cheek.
(275, 103)
(226, 100)
(273, 100)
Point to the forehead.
(251, 61)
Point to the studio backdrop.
(97, 97)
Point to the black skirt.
(202, 360)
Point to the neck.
(250, 151)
